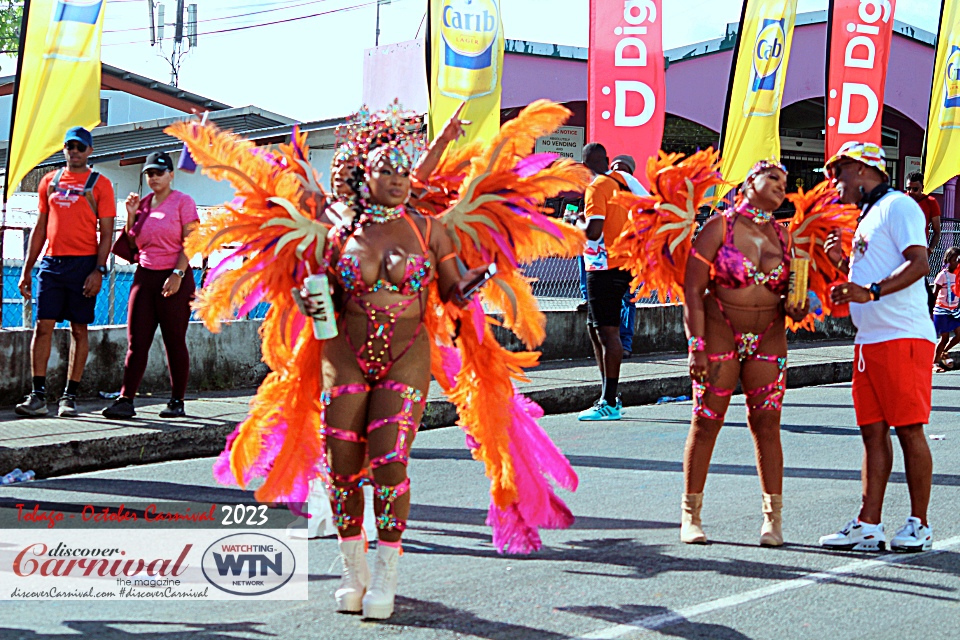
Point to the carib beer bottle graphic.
(950, 114)
(763, 92)
(468, 64)
(73, 25)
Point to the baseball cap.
(868, 153)
(627, 160)
(158, 160)
(78, 134)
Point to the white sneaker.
(913, 537)
(857, 536)
(356, 576)
(378, 603)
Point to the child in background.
(946, 315)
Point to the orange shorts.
(892, 382)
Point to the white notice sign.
(566, 141)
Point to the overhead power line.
(219, 18)
(362, 5)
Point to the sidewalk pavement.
(54, 446)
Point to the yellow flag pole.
(13, 115)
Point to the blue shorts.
(946, 321)
(60, 289)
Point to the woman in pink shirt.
(162, 286)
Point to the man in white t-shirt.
(895, 344)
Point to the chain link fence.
(949, 237)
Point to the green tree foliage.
(10, 15)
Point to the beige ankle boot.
(771, 533)
(691, 531)
(355, 578)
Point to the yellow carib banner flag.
(466, 54)
(751, 129)
(58, 85)
(942, 154)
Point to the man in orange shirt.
(607, 281)
(929, 206)
(75, 203)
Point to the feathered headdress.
(819, 211)
(274, 231)
(391, 130)
(660, 227)
(498, 189)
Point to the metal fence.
(112, 301)
(949, 237)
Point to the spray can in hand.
(324, 318)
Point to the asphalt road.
(620, 571)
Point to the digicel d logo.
(631, 51)
(861, 53)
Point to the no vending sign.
(566, 141)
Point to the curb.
(111, 453)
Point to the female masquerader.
(735, 310)
(399, 279)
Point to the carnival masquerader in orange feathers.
(734, 311)
(401, 284)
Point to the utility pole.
(377, 39)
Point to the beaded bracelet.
(696, 343)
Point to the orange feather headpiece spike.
(660, 227)
(819, 211)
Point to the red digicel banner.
(858, 48)
(626, 78)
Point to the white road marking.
(660, 621)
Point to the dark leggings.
(147, 309)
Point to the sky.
(310, 68)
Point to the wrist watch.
(874, 291)
(102, 269)
(179, 272)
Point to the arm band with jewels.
(696, 343)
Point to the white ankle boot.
(378, 603)
(356, 576)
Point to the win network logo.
(248, 564)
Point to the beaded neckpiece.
(756, 215)
(379, 214)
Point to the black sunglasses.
(835, 171)
(155, 173)
(75, 146)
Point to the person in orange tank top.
(75, 222)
